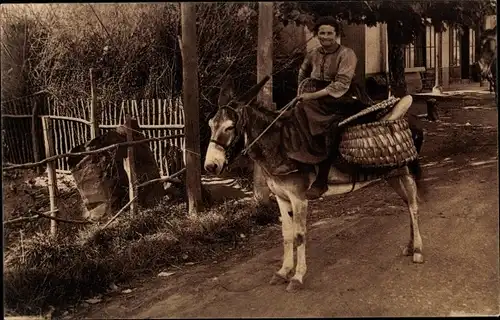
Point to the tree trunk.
(191, 107)
(264, 68)
(477, 50)
(396, 62)
(438, 83)
(477, 41)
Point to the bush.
(134, 48)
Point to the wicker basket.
(378, 144)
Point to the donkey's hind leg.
(397, 185)
(282, 275)
(406, 188)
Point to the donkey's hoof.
(294, 285)
(407, 251)
(418, 257)
(278, 279)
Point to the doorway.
(465, 53)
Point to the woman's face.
(327, 35)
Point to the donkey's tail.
(416, 171)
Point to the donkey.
(238, 122)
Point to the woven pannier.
(378, 144)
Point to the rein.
(285, 108)
(228, 148)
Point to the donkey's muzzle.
(211, 168)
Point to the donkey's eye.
(230, 128)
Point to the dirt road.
(355, 266)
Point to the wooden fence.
(17, 122)
(72, 127)
(129, 166)
(156, 117)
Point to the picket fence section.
(71, 123)
(17, 120)
(71, 128)
(157, 118)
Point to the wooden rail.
(84, 153)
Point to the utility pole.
(191, 107)
(265, 96)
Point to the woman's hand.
(307, 96)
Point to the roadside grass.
(43, 272)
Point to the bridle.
(229, 149)
(230, 157)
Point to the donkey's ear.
(253, 91)
(226, 92)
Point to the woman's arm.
(305, 68)
(345, 73)
(342, 82)
(314, 95)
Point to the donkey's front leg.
(287, 229)
(299, 207)
(410, 188)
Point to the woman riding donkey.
(310, 134)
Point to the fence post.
(192, 109)
(48, 136)
(129, 165)
(94, 120)
(34, 136)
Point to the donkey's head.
(227, 126)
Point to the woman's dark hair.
(327, 21)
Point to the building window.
(472, 46)
(430, 47)
(410, 56)
(455, 47)
(415, 52)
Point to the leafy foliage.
(408, 16)
(134, 48)
(405, 20)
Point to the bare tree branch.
(84, 153)
(44, 215)
(118, 213)
(47, 216)
(169, 179)
(21, 219)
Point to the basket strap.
(379, 106)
